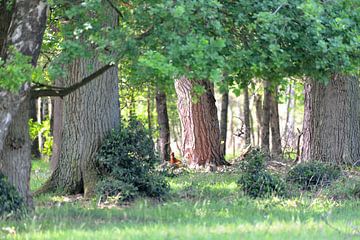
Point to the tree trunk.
(57, 132)
(265, 123)
(223, 121)
(275, 125)
(164, 128)
(149, 110)
(88, 116)
(289, 133)
(258, 108)
(247, 117)
(200, 125)
(35, 145)
(331, 121)
(25, 33)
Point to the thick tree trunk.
(24, 33)
(200, 125)
(331, 121)
(57, 132)
(88, 116)
(259, 110)
(223, 121)
(275, 125)
(247, 117)
(164, 127)
(265, 123)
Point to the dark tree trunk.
(149, 111)
(265, 123)
(88, 116)
(223, 121)
(247, 117)
(24, 33)
(331, 121)
(35, 145)
(275, 125)
(200, 125)
(164, 128)
(259, 110)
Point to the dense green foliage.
(313, 174)
(126, 162)
(12, 204)
(256, 181)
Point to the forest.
(179, 119)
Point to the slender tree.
(275, 125)
(224, 120)
(247, 117)
(164, 127)
(265, 119)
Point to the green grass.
(199, 206)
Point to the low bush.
(256, 180)
(126, 161)
(12, 205)
(346, 187)
(313, 174)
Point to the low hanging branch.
(42, 90)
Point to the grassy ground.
(200, 206)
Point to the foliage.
(12, 205)
(346, 187)
(126, 160)
(16, 71)
(44, 129)
(312, 174)
(256, 180)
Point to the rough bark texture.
(247, 117)
(275, 125)
(265, 120)
(164, 127)
(200, 124)
(88, 116)
(331, 121)
(223, 121)
(57, 132)
(25, 33)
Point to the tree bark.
(164, 127)
(223, 121)
(331, 121)
(200, 125)
(289, 132)
(88, 116)
(275, 125)
(247, 114)
(265, 123)
(259, 110)
(35, 145)
(25, 33)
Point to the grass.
(199, 206)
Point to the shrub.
(313, 174)
(12, 205)
(256, 180)
(126, 161)
(346, 187)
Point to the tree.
(275, 125)
(265, 119)
(223, 120)
(331, 122)
(163, 122)
(200, 124)
(24, 33)
(247, 117)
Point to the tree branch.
(115, 8)
(53, 91)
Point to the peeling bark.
(200, 124)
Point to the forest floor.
(200, 206)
